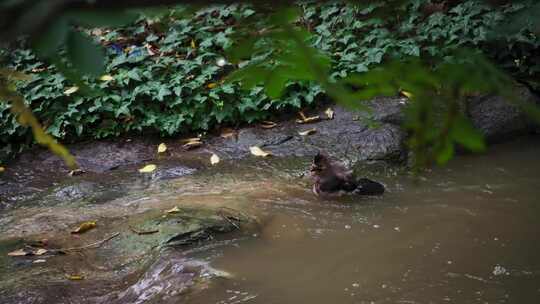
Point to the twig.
(96, 244)
(142, 232)
(228, 220)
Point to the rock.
(348, 135)
(497, 118)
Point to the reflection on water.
(468, 233)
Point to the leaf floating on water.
(71, 90)
(19, 252)
(85, 227)
(148, 169)
(268, 124)
(259, 152)
(329, 113)
(308, 132)
(74, 277)
(214, 159)
(308, 119)
(106, 78)
(175, 209)
(162, 148)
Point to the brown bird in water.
(333, 177)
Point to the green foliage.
(166, 76)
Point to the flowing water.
(466, 233)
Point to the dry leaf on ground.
(162, 148)
(148, 168)
(259, 152)
(268, 124)
(308, 119)
(329, 113)
(214, 159)
(19, 252)
(175, 209)
(83, 227)
(192, 139)
(192, 145)
(308, 132)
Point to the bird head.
(320, 163)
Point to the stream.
(465, 233)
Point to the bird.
(333, 177)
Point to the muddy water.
(468, 233)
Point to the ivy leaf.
(84, 54)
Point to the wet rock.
(498, 118)
(167, 279)
(132, 267)
(349, 135)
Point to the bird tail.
(369, 187)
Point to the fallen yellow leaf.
(308, 132)
(211, 85)
(106, 78)
(74, 277)
(39, 261)
(40, 251)
(18, 252)
(268, 124)
(71, 90)
(83, 227)
(214, 159)
(193, 45)
(2, 169)
(186, 140)
(192, 145)
(259, 152)
(148, 169)
(175, 209)
(308, 119)
(329, 113)
(228, 132)
(406, 94)
(162, 148)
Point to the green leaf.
(275, 84)
(465, 134)
(84, 54)
(102, 18)
(47, 44)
